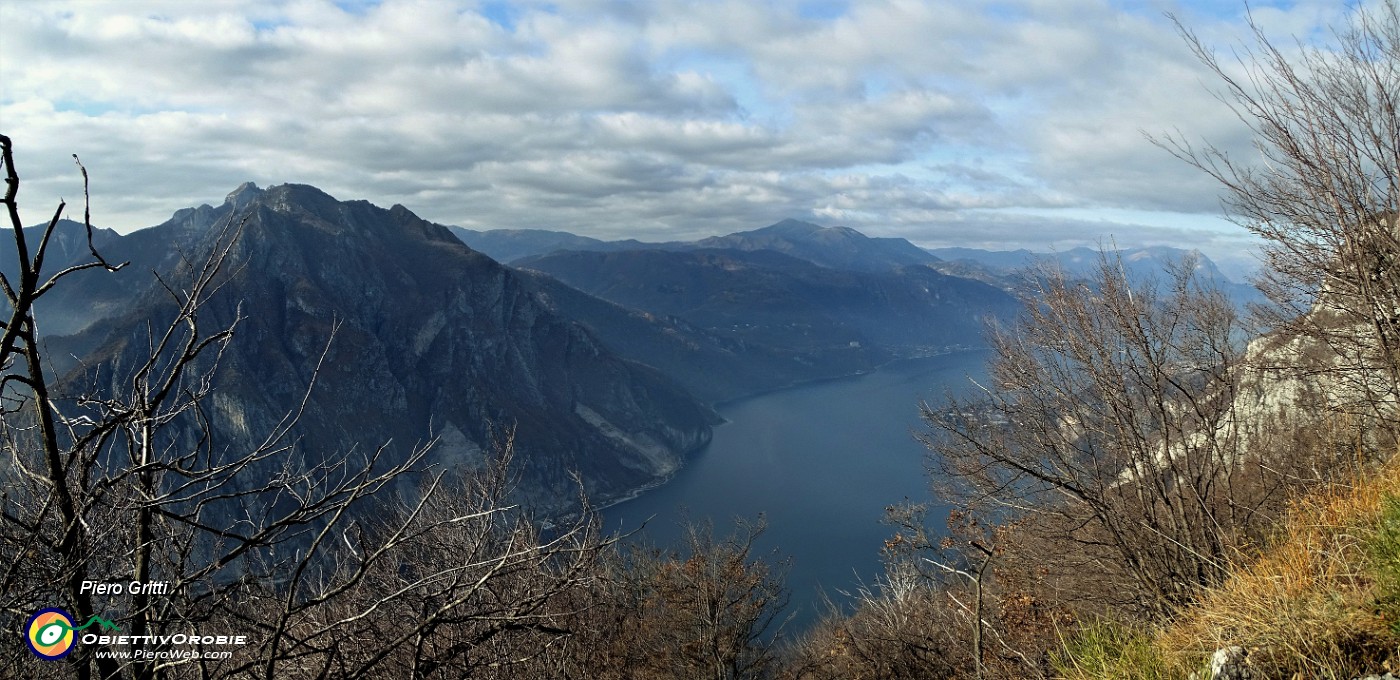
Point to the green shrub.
(1383, 549)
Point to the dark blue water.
(820, 463)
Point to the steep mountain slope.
(432, 340)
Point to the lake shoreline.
(819, 462)
(717, 407)
(731, 402)
(796, 384)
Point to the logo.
(50, 632)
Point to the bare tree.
(904, 626)
(56, 529)
(1112, 413)
(907, 634)
(115, 474)
(951, 603)
(1323, 193)
(711, 611)
(1102, 466)
(452, 583)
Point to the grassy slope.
(1321, 601)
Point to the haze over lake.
(820, 463)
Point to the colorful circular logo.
(50, 633)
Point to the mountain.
(819, 315)
(712, 365)
(834, 247)
(1006, 267)
(88, 298)
(601, 357)
(507, 245)
(431, 340)
(68, 242)
(1078, 262)
(756, 310)
(997, 260)
(68, 245)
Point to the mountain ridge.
(768, 298)
(835, 247)
(800, 238)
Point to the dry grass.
(1315, 603)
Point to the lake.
(820, 463)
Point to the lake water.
(820, 463)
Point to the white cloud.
(671, 118)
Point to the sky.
(999, 124)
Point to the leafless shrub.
(1113, 407)
(1324, 193)
(710, 610)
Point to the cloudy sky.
(1000, 124)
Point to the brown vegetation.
(1320, 599)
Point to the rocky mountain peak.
(304, 198)
(246, 193)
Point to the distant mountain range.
(832, 247)
(824, 315)
(760, 309)
(846, 248)
(69, 243)
(604, 355)
(1140, 265)
(508, 245)
(1139, 262)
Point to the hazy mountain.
(771, 299)
(434, 340)
(68, 245)
(1005, 268)
(746, 312)
(89, 297)
(69, 241)
(836, 247)
(1138, 262)
(506, 245)
(714, 366)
